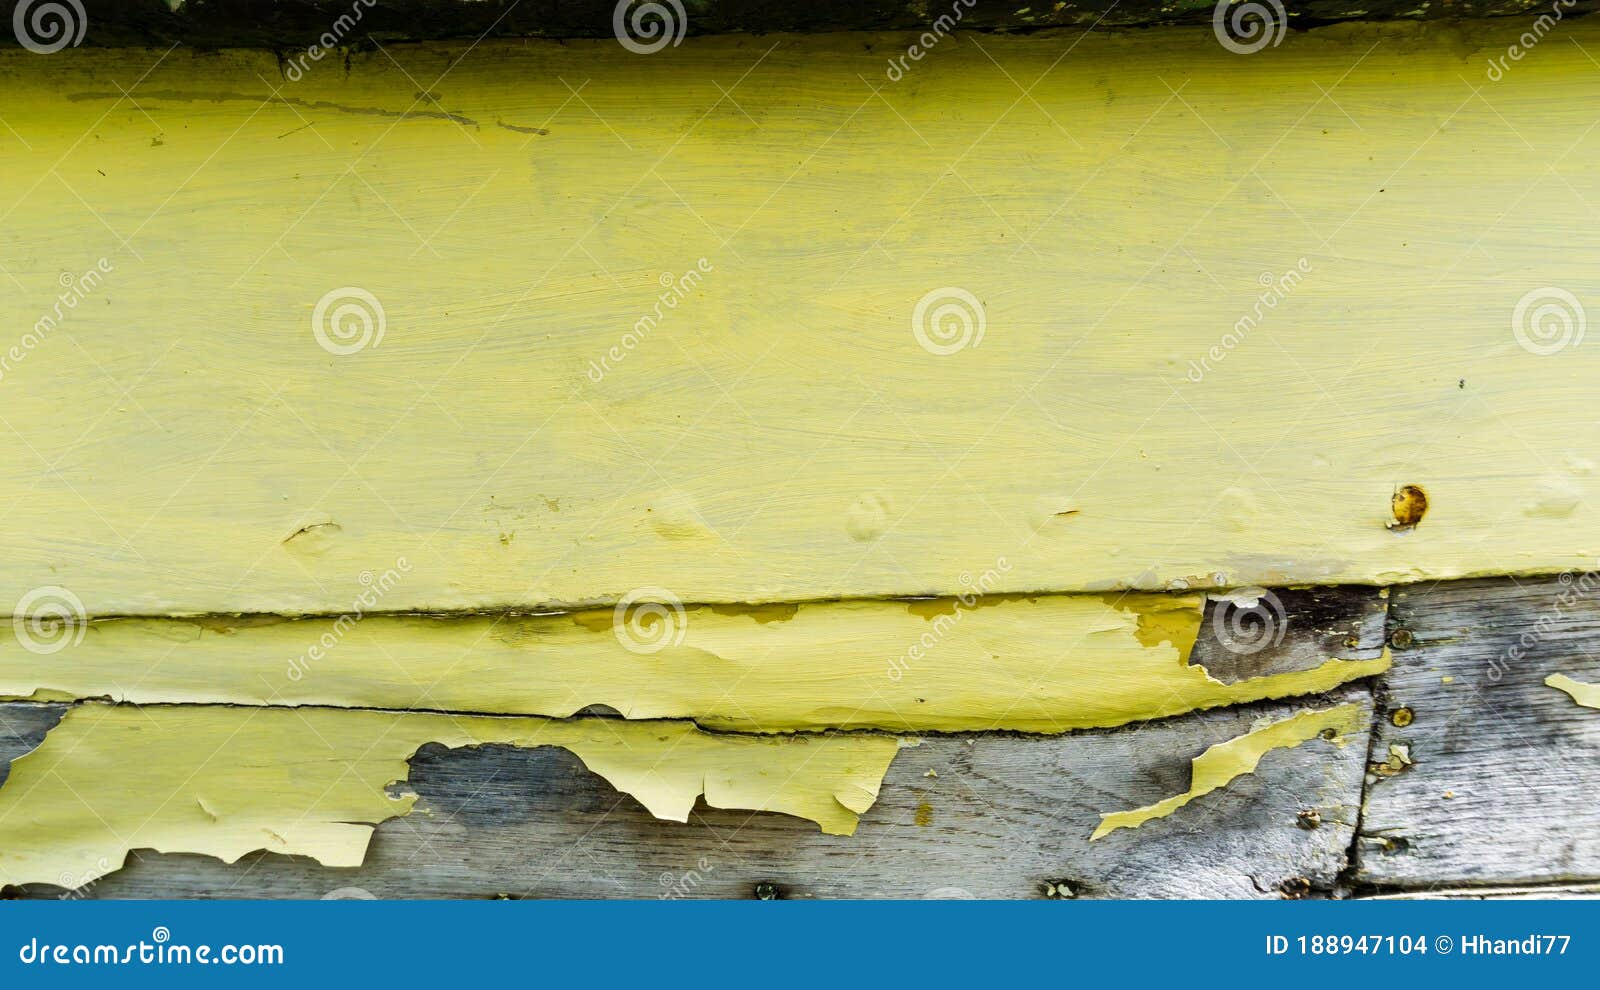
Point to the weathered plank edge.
(361, 23)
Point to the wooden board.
(275, 23)
(1035, 664)
(545, 423)
(1004, 816)
(1502, 788)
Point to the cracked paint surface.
(226, 781)
(1221, 764)
(1047, 664)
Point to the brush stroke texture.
(779, 435)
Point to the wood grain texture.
(775, 432)
(1003, 816)
(1037, 664)
(1502, 784)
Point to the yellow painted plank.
(1047, 664)
(227, 781)
(635, 330)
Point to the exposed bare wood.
(976, 815)
(1488, 775)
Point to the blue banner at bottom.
(792, 943)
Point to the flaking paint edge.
(225, 781)
(1587, 695)
(1046, 664)
(1221, 764)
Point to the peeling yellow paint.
(779, 434)
(227, 781)
(1046, 664)
(1587, 695)
(1220, 764)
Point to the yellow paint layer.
(1046, 664)
(546, 421)
(1220, 764)
(1587, 695)
(312, 782)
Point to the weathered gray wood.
(1288, 629)
(21, 728)
(1517, 759)
(998, 816)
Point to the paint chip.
(1219, 765)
